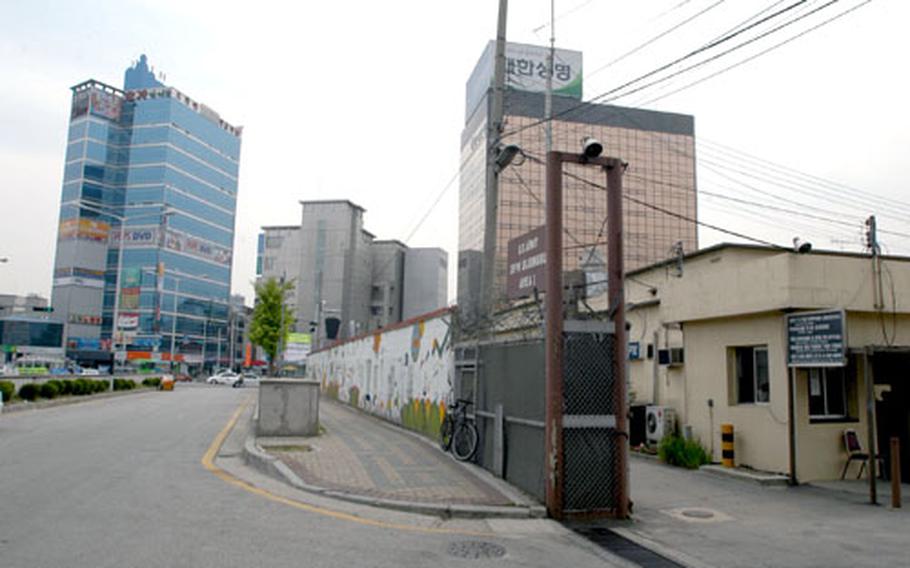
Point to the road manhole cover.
(697, 514)
(476, 549)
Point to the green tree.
(266, 329)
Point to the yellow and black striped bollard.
(726, 445)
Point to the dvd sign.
(527, 268)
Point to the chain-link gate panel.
(590, 449)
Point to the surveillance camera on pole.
(591, 147)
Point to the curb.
(274, 467)
(765, 479)
(70, 399)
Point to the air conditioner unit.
(674, 357)
(659, 422)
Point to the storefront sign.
(527, 268)
(817, 339)
(84, 319)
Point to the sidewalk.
(722, 521)
(367, 460)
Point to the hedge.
(7, 389)
(28, 391)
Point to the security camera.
(590, 147)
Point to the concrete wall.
(404, 373)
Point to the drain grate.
(475, 549)
(625, 548)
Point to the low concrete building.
(708, 337)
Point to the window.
(827, 393)
(752, 381)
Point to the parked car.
(247, 380)
(223, 378)
(90, 372)
(183, 378)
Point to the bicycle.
(457, 432)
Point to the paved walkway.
(360, 454)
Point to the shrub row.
(676, 450)
(54, 388)
(80, 387)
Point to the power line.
(750, 160)
(667, 211)
(709, 59)
(752, 57)
(653, 39)
(689, 55)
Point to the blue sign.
(634, 350)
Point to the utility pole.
(494, 130)
(875, 249)
(548, 101)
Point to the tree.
(266, 329)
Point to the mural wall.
(405, 373)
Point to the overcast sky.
(364, 100)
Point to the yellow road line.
(208, 461)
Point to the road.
(121, 483)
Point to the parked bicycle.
(457, 432)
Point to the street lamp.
(122, 219)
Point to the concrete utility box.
(288, 407)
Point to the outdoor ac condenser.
(659, 422)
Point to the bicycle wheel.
(446, 429)
(464, 442)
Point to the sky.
(364, 100)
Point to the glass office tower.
(166, 166)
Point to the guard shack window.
(832, 393)
(749, 373)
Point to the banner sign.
(129, 321)
(77, 281)
(817, 339)
(182, 242)
(83, 229)
(527, 262)
(106, 105)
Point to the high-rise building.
(340, 271)
(387, 282)
(150, 180)
(426, 281)
(659, 147)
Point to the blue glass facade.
(167, 166)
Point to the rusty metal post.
(616, 293)
(870, 419)
(896, 472)
(554, 387)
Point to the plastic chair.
(855, 452)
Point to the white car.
(223, 378)
(246, 380)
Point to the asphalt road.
(122, 483)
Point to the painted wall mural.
(404, 374)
